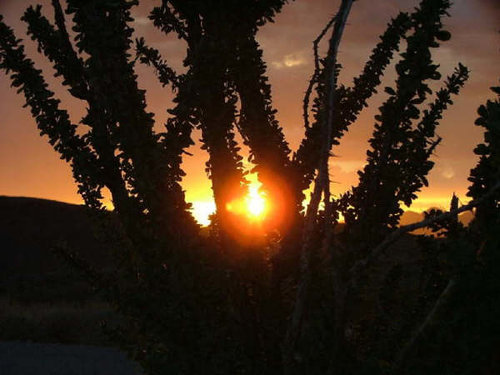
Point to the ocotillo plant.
(219, 305)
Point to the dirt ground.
(24, 358)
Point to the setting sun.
(254, 206)
(255, 202)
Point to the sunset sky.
(29, 166)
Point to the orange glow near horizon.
(256, 202)
(254, 207)
(29, 167)
(202, 210)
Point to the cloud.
(289, 61)
(349, 166)
(448, 173)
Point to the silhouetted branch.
(365, 84)
(394, 236)
(398, 159)
(55, 44)
(166, 18)
(350, 101)
(151, 57)
(51, 120)
(332, 99)
(322, 179)
(487, 170)
(426, 127)
(59, 18)
(316, 73)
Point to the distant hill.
(29, 228)
(410, 217)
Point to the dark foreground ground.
(43, 302)
(22, 358)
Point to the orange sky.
(29, 167)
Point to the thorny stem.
(322, 181)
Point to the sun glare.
(254, 206)
(255, 202)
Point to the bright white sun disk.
(256, 203)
